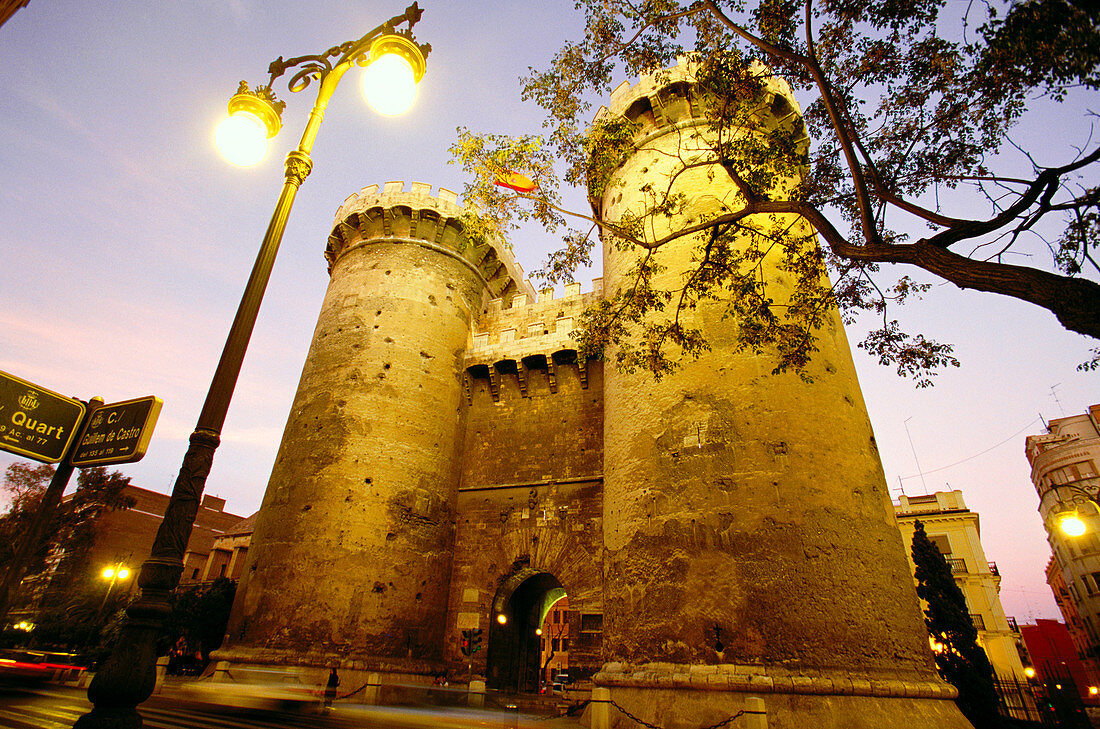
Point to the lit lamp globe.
(1072, 525)
(241, 137)
(394, 68)
(108, 573)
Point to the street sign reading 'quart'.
(118, 433)
(35, 422)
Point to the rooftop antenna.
(1054, 394)
(914, 448)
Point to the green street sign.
(117, 433)
(35, 422)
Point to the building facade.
(226, 555)
(1053, 655)
(123, 540)
(956, 530)
(1063, 467)
(452, 461)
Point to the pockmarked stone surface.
(453, 462)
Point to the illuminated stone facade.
(1062, 459)
(450, 463)
(956, 530)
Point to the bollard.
(221, 671)
(162, 671)
(756, 716)
(372, 694)
(475, 697)
(601, 708)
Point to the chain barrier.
(572, 710)
(352, 693)
(646, 724)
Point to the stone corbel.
(521, 375)
(494, 383)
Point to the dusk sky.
(126, 241)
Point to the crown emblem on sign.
(29, 401)
(97, 419)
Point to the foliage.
(74, 526)
(199, 617)
(72, 611)
(912, 117)
(959, 659)
(24, 486)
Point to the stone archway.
(521, 603)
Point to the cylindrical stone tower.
(751, 546)
(351, 557)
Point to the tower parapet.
(669, 98)
(432, 221)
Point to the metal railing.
(957, 565)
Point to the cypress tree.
(959, 659)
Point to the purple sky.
(126, 241)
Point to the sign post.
(42, 425)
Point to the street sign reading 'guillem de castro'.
(35, 422)
(117, 433)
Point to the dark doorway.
(521, 603)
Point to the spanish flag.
(514, 181)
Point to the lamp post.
(128, 677)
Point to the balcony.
(957, 565)
(978, 621)
(993, 569)
(1013, 625)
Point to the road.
(59, 707)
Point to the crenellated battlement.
(529, 335)
(394, 214)
(666, 99)
(523, 325)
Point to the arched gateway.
(514, 658)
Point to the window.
(1089, 589)
(564, 645)
(222, 570)
(941, 541)
(554, 644)
(557, 617)
(1073, 591)
(195, 574)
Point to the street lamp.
(114, 573)
(128, 677)
(1069, 520)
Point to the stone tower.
(351, 556)
(750, 539)
(452, 462)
